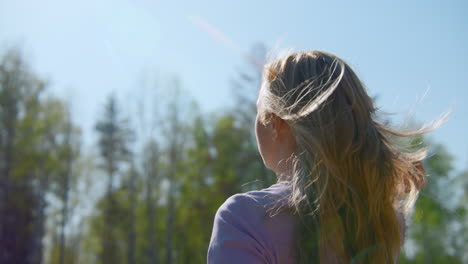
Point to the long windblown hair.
(349, 181)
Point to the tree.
(62, 174)
(69, 154)
(114, 139)
(198, 199)
(433, 217)
(31, 143)
(153, 179)
(133, 174)
(174, 132)
(459, 237)
(16, 81)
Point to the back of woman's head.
(347, 178)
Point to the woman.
(343, 187)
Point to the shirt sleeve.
(236, 237)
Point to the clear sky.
(400, 49)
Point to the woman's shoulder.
(243, 223)
(256, 202)
(273, 198)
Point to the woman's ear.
(280, 127)
(276, 127)
(283, 132)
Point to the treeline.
(160, 179)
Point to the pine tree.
(115, 137)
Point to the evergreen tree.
(115, 137)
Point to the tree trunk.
(10, 113)
(107, 250)
(151, 210)
(171, 204)
(131, 233)
(39, 221)
(66, 190)
(169, 223)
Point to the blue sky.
(400, 49)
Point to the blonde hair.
(348, 178)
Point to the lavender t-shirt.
(245, 232)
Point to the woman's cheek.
(264, 138)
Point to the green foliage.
(33, 161)
(114, 145)
(114, 137)
(431, 230)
